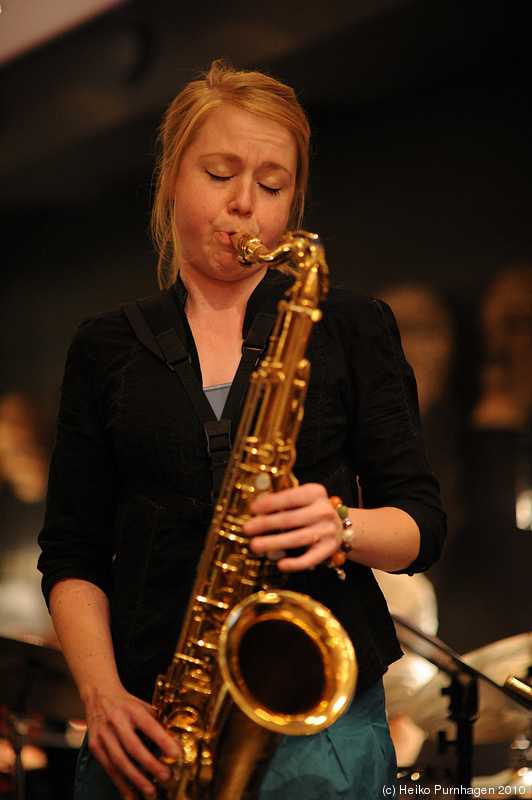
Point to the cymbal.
(431, 648)
(500, 716)
(512, 656)
(36, 680)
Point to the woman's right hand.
(115, 722)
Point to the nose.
(241, 200)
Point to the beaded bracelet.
(338, 559)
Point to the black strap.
(164, 324)
(252, 348)
(157, 323)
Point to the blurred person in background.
(26, 441)
(505, 401)
(497, 550)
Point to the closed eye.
(269, 189)
(217, 178)
(272, 190)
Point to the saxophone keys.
(263, 482)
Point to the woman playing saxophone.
(133, 476)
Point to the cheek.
(274, 224)
(189, 214)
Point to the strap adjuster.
(172, 348)
(218, 433)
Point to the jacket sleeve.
(392, 465)
(76, 538)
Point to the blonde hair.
(250, 91)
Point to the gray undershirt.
(217, 395)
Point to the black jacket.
(125, 422)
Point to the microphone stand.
(18, 728)
(463, 711)
(462, 691)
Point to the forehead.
(231, 131)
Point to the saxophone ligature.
(255, 661)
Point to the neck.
(208, 294)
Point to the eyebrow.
(273, 165)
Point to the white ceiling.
(27, 24)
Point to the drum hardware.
(521, 766)
(35, 683)
(424, 781)
(35, 678)
(17, 729)
(515, 781)
(474, 699)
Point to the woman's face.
(237, 175)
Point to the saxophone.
(254, 661)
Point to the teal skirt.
(353, 759)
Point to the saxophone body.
(254, 661)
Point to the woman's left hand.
(291, 519)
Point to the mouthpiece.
(248, 247)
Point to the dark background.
(421, 168)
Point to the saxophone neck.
(301, 254)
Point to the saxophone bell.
(287, 662)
